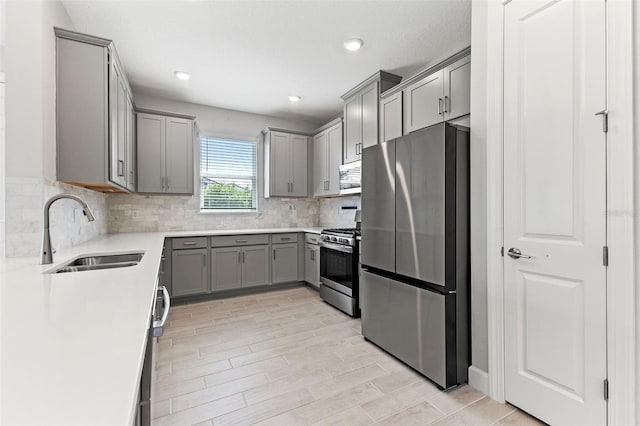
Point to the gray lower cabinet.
(284, 264)
(189, 272)
(312, 264)
(239, 267)
(226, 268)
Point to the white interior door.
(554, 209)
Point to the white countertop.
(73, 343)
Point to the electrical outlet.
(135, 214)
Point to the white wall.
(220, 122)
(31, 134)
(479, 331)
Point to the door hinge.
(605, 256)
(502, 251)
(605, 119)
(606, 389)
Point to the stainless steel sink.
(102, 261)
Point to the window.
(228, 171)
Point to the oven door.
(336, 267)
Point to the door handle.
(515, 253)
(439, 106)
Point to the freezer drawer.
(416, 326)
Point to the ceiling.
(251, 55)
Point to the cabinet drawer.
(188, 243)
(239, 240)
(284, 238)
(311, 238)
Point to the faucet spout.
(46, 254)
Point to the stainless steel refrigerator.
(415, 251)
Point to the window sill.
(227, 211)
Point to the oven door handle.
(336, 247)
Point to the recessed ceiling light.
(353, 44)
(182, 75)
(294, 98)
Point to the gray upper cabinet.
(131, 160)
(457, 89)
(92, 108)
(165, 153)
(438, 95)
(352, 128)
(327, 159)
(284, 266)
(189, 272)
(424, 102)
(361, 118)
(391, 117)
(285, 164)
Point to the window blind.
(228, 171)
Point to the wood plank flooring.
(287, 358)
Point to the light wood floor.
(287, 358)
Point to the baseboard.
(479, 379)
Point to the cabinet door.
(117, 115)
(299, 166)
(150, 153)
(280, 161)
(255, 265)
(285, 263)
(131, 146)
(391, 117)
(189, 272)
(320, 164)
(334, 136)
(179, 155)
(424, 102)
(457, 89)
(352, 129)
(316, 265)
(369, 100)
(226, 268)
(312, 264)
(309, 268)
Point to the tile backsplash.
(140, 213)
(25, 198)
(332, 215)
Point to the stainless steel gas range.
(339, 269)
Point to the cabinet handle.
(357, 149)
(241, 241)
(326, 185)
(242, 257)
(285, 238)
(239, 257)
(189, 243)
(204, 260)
(168, 186)
(447, 103)
(162, 182)
(439, 106)
(274, 254)
(291, 186)
(120, 167)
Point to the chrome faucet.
(47, 255)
